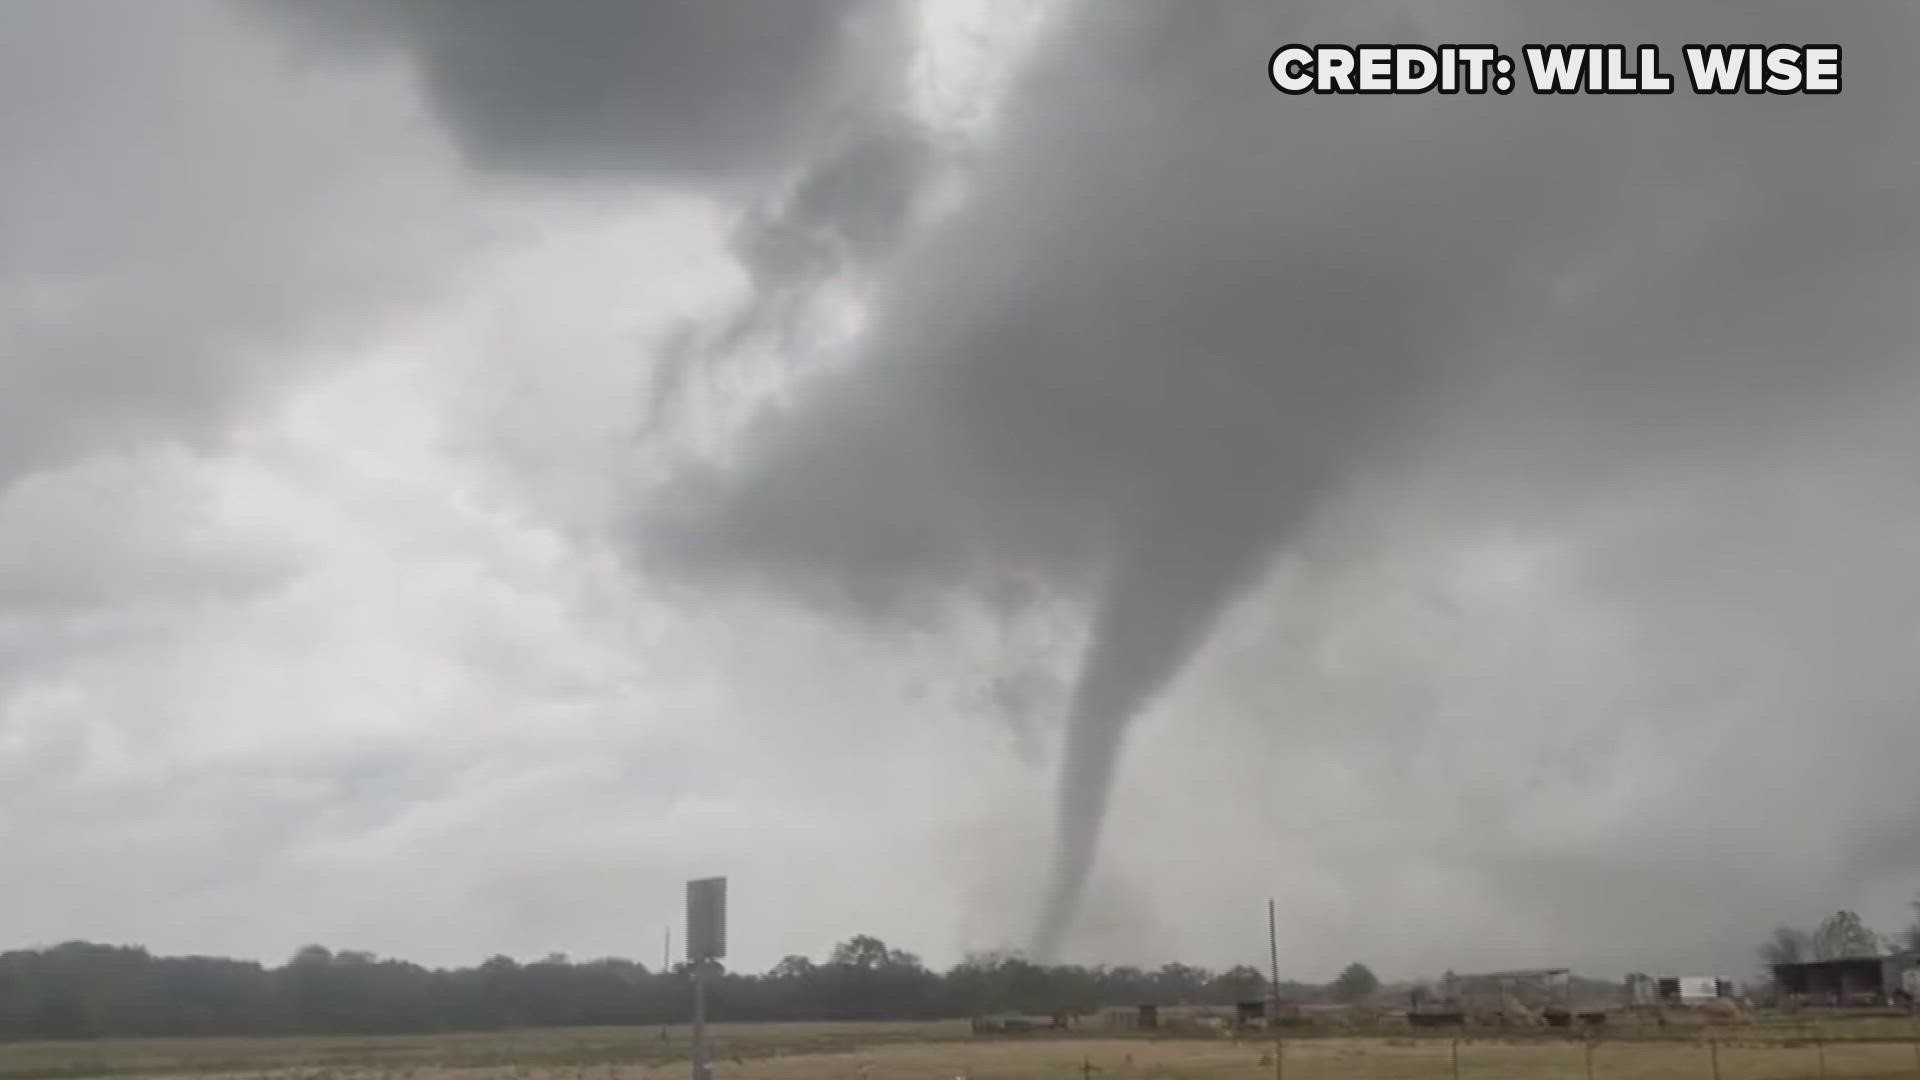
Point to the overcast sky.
(466, 468)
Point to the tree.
(1844, 935)
(1356, 983)
(1181, 983)
(860, 951)
(792, 967)
(1913, 929)
(1243, 983)
(1787, 946)
(313, 956)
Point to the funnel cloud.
(976, 489)
(1180, 315)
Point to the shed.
(1133, 1017)
(1850, 980)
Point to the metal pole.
(702, 1066)
(666, 970)
(1456, 1059)
(1713, 1045)
(1273, 1010)
(1273, 954)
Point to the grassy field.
(946, 1051)
(557, 1052)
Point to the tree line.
(1844, 935)
(81, 990)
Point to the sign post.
(706, 942)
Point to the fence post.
(1279, 1058)
(1820, 1047)
(1713, 1047)
(1456, 1059)
(1589, 1057)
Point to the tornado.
(1195, 549)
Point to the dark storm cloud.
(843, 216)
(671, 89)
(225, 666)
(790, 109)
(1180, 312)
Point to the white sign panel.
(1697, 989)
(706, 919)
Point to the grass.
(1783, 1050)
(552, 1051)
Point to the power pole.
(666, 969)
(1273, 1010)
(1273, 956)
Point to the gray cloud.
(1181, 315)
(187, 233)
(1440, 492)
(837, 224)
(680, 90)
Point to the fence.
(1778, 1055)
(1711, 1057)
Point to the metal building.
(1860, 980)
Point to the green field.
(948, 1050)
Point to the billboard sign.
(706, 919)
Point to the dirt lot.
(947, 1051)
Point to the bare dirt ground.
(947, 1051)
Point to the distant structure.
(1692, 989)
(1133, 1017)
(1851, 981)
(1536, 997)
(1016, 1024)
(1539, 989)
(1647, 991)
(1643, 991)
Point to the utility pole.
(1273, 957)
(1273, 1009)
(666, 969)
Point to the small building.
(1857, 980)
(1016, 1024)
(1133, 1017)
(1693, 989)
